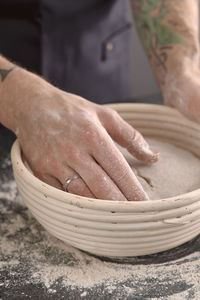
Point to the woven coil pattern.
(112, 228)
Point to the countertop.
(33, 265)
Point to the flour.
(42, 259)
(176, 172)
(32, 257)
(8, 190)
(174, 92)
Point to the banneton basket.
(115, 228)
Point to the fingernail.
(154, 153)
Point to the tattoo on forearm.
(157, 37)
(4, 72)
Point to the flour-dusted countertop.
(34, 265)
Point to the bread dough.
(176, 172)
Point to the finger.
(128, 137)
(50, 180)
(62, 173)
(47, 178)
(98, 181)
(76, 186)
(114, 164)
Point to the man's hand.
(62, 134)
(66, 135)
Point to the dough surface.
(176, 172)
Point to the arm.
(169, 32)
(19, 91)
(62, 134)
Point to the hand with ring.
(69, 180)
(68, 143)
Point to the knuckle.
(111, 113)
(132, 138)
(114, 114)
(89, 129)
(73, 154)
(92, 134)
(123, 175)
(136, 135)
(139, 141)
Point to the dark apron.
(83, 47)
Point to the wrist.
(181, 86)
(177, 73)
(20, 94)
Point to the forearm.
(19, 91)
(169, 32)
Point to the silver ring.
(69, 180)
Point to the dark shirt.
(83, 47)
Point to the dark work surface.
(173, 274)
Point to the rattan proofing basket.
(113, 228)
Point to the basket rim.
(93, 203)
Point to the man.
(85, 48)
